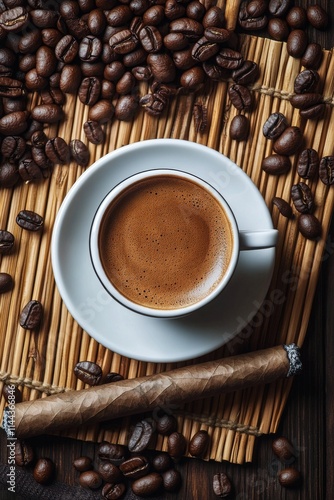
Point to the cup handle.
(252, 240)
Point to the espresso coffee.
(165, 242)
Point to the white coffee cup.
(241, 240)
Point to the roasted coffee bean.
(13, 147)
(308, 163)
(38, 139)
(6, 283)
(110, 472)
(222, 485)
(89, 90)
(31, 315)
(42, 161)
(162, 67)
(113, 491)
(147, 485)
(70, 78)
(175, 41)
(174, 10)
(79, 152)
(215, 72)
(296, 43)
(9, 174)
(165, 423)
(278, 29)
(141, 436)
(112, 377)
(29, 170)
(239, 128)
(102, 111)
(24, 453)
(283, 449)
(176, 445)
(66, 49)
(289, 478)
(10, 87)
(274, 126)
(302, 197)
(150, 38)
(96, 21)
(113, 453)
(52, 96)
(312, 56)
(51, 36)
(229, 58)
(314, 112)
(135, 467)
(107, 89)
(83, 464)
(88, 371)
(30, 42)
(126, 107)
(203, 49)
(326, 170)
(217, 35)
(47, 113)
(44, 470)
(27, 219)
(276, 164)
(171, 480)
(283, 207)
(6, 241)
(11, 393)
(162, 462)
(94, 132)
(317, 16)
(289, 141)
(214, 16)
(44, 18)
(154, 15)
(114, 71)
(256, 8)
(306, 81)
(14, 20)
(192, 79)
(278, 8)
(240, 96)
(123, 42)
(200, 116)
(90, 48)
(90, 479)
(14, 123)
(183, 59)
(10, 105)
(306, 100)
(126, 83)
(247, 73)
(296, 17)
(57, 150)
(309, 226)
(46, 61)
(250, 22)
(199, 443)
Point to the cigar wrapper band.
(131, 396)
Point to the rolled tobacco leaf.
(127, 397)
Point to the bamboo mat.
(42, 363)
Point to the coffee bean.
(52, 96)
(113, 491)
(309, 226)
(296, 43)
(90, 48)
(250, 22)
(112, 377)
(302, 197)
(9, 87)
(162, 462)
(171, 480)
(9, 174)
(14, 20)
(278, 7)
(218, 35)
(29, 170)
(140, 436)
(312, 56)
(229, 58)
(289, 141)
(317, 16)
(306, 81)
(274, 126)
(176, 445)
(70, 78)
(314, 112)
(66, 49)
(283, 207)
(239, 128)
(308, 163)
(289, 478)
(14, 123)
(110, 472)
(6, 241)
(147, 485)
(283, 449)
(296, 17)
(162, 67)
(89, 90)
(31, 315)
(276, 164)
(44, 470)
(82, 464)
(90, 479)
(88, 372)
(57, 150)
(11, 393)
(135, 467)
(6, 282)
(47, 113)
(126, 107)
(278, 29)
(24, 453)
(326, 170)
(199, 443)
(46, 61)
(27, 219)
(94, 132)
(240, 96)
(79, 152)
(256, 8)
(165, 423)
(222, 485)
(214, 16)
(123, 42)
(113, 453)
(306, 100)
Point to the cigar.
(72, 408)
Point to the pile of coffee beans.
(289, 476)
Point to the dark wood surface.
(308, 419)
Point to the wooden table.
(308, 420)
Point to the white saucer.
(129, 333)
